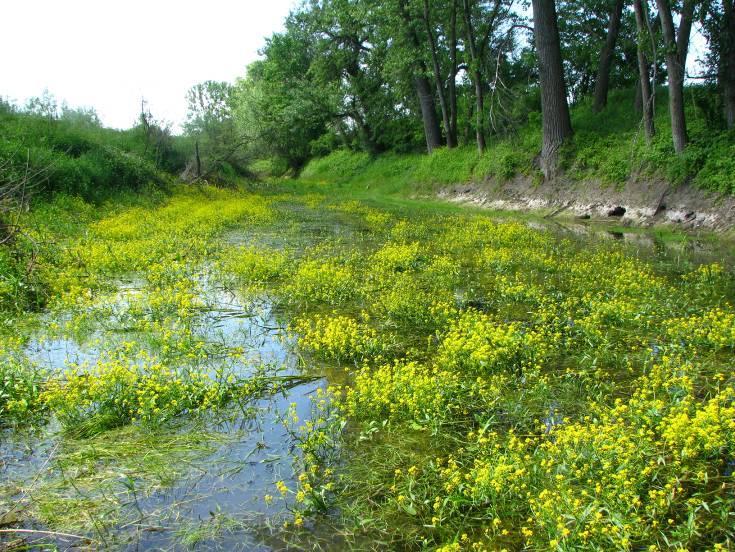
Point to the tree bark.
(676, 47)
(602, 83)
(476, 79)
(438, 81)
(647, 105)
(198, 159)
(638, 98)
(556, 124)
(727, 62)
(423, 88)
(428, 113)
(452, 84)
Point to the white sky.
(107, 55)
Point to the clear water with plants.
(293, 368)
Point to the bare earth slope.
(640, 203)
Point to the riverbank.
(639, 203)
(505, 180)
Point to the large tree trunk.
(676, 48)
(428, 114)
(452, 84)
(638, 98)
(727, 62)
(557, 126)
(438, 81)
(476, 78)
(423, 88)
(479, 112)
(602, 84)
(644, 82)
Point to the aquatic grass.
(528, 356)
(102, 482)
(493, 384)
(21, 389)
(193, 534)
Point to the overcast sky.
(107, 55)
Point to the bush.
(77, 159)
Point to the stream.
(216, 496)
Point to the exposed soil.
(638, 203)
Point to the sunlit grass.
(493, 385)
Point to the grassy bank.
(608, 147)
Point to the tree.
(210, 124)
(449, 113)
(647, 99)
(475, 73)
(556, 123)
(676, 46)
(280, 106)
(719, 28)
(157, 138)
(423, 88)
(727, 61)
(602, 83)
(452, 77)
(43, 106)
(594, 42)
(208, 107)
(80, 116)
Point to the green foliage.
(507, 158)
(20, 390)
(73, 157)
(339, 165)
(278, 106)
(608, 147)
(213, 135)
(718, 166)
(446, 166)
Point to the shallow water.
(220, 491)
(254, 449)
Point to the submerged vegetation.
(488, 384)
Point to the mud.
(639, 203)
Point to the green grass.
(608, 147)
(450, 332)
(79, 158)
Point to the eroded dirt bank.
(639, 203)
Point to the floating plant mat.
(259, 372)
